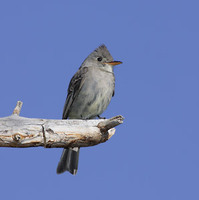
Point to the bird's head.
(102, 58)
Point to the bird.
(89, 93)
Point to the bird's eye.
(99, 59)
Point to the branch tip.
(18, 108)
(105, 125)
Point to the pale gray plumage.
(89, 93)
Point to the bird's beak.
(113, 63)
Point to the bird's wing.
(113, 87)
(113, 92)
(73, 90)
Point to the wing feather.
(73, 90)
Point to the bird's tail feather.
(69, 160)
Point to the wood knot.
(16, 137)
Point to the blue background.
(155, 153)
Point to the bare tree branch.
(16, 131)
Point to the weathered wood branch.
(16, 131)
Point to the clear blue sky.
(155, 153)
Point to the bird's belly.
(93, 99)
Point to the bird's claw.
(101, 117)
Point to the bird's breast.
(95, 94)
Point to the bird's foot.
(101, 117)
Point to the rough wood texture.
(16, 131)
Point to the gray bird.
(89, 93)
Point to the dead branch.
(16, 131)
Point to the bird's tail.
(69, 160)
